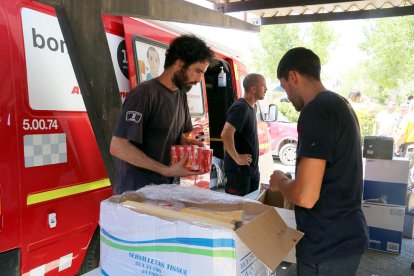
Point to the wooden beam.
(252, 5)
(85, 38)
(337, 16)
(175, 10)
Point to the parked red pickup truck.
(284, 136)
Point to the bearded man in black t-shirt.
(155, 115)
(327, 191)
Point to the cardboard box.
(408, 229)
(276, 199)
(378, 147)
(146, 241)
(385, 181)
(385, 193)
(385, 226)
(393, 171)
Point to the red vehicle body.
(52, 177)
(284, 140)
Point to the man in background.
(386, 121)
(239, 136)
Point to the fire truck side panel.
(9, 176)
(62, 177)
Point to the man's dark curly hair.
(189, 49)
(302, 60)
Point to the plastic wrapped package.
(161, 230)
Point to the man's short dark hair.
(189, 49)
(251, 80)
(300, 59)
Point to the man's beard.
(180, 79)
(298, 104)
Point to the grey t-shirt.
(153, 118)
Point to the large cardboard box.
(385, 226)
(142, 239)
(276, 199)
(385, 181)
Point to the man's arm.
(227, 136)
(123, 149)
(304, 191)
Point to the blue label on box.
(385, 240)
(385, 192)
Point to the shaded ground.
(376, 263)
(385, 264)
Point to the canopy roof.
(297, 11)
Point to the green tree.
(277, 39)
(321, 40)
(389, 65)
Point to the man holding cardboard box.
(155, 116)
(239, 135)
(327, 191)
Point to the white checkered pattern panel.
(44, 149)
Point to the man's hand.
(179, 169)
(277, 180)
(244, 159)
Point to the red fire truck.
(52, 177)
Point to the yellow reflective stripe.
(215, 139)
(67, 191)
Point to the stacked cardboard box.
(146, 233)
(384, 197)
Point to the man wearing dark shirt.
(327, 191)
(155, 116)
(239, 136)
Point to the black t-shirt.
(153, 118)
(242, 116)
(328, 129)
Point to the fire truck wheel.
(91, 260)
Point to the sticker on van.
(52, 84)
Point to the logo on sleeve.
(133, 116)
